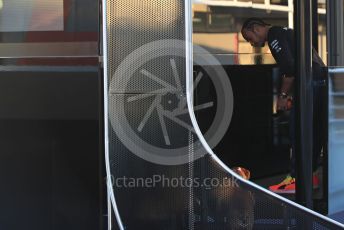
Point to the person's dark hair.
(250, 22)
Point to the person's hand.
(282, 103)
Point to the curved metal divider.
(106, 121)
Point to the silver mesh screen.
(144, 82)
(133, 24)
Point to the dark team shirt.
(282, 46)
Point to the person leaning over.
(282, 46)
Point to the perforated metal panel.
(150, 136)
(133, 24)
(142, 78)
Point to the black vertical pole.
(304, 102)
(315, 25)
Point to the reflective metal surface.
(336, 139)
(49, 49)
(31, 15)
(56, 28)
(49, 105)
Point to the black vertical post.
(304, 102)
(315, 25)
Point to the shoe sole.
(288, 191)
(283, 191)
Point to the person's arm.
(282, 52)
(287, 84)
